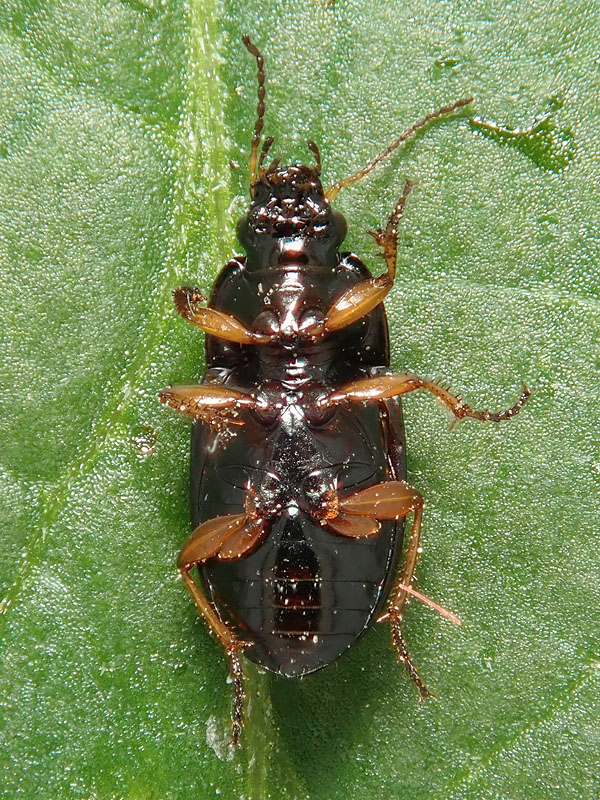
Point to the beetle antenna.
(265, 149)
(261, 76)
(312, 146)
(334, 190)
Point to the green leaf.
(117, 123)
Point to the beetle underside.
(299, 490)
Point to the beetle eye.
(242, 228)
(340, 224)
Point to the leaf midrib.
(199, 94)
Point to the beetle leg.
(353, 527)
(386, 500)
(353, 304)
(216, 405)
(390, 412)
(404, 657)
(398, 601)
(358, 514)
(391, 500)
(226, 537)
(388, 238)
(385, 386)
(188, 301)
(362, 298)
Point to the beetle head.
(288, 203)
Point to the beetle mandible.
(298, 473)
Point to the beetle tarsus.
(388, 239)
(383, 387)
(463, 410)
(237, 677)
(404, 657)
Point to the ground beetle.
(298, 467)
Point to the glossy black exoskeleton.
(298, 453)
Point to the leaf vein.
(467, 776)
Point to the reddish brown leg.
(404, 658)
(388, 500)
(388, 239)
(226, 537)
(216, 323)
(359, 300)
(216, 405)
(398, 600)
(385, 386)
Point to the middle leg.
(382, 387)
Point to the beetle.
(298, 466)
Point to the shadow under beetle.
(298, 469)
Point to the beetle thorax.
(292, 307)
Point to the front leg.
(358, 301)
(188, 302)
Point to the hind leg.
(230, 536)
(394, 614)
(358, 516)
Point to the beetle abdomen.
(305, 595)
